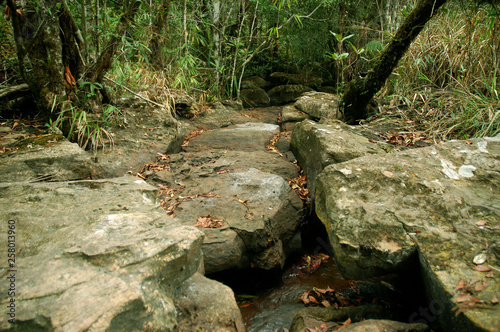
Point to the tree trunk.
(46, 44)
(360, 91)
(49, 45)
(217, 47)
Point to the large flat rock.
(242, 184)
(249, 136)
(260, 214)
(318, 145)
(96, 255)
(440, 204)
(319, 105)
(45, 158)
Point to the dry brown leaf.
(482, 268)
(208, 222)
(463, 298)
(489, 275)
(460, 285)
(346, 323)
(481, 223)
(479, 287)
(473, 281)
(494, 300)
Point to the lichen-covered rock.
(238, 181)
(254, 82)
(254, 97)
(284, 94)
(319, 105)
(207, 305)
(96, 255)
(46, 158)
(318, 145)
(439, 204)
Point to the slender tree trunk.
(216, 35)
(360, 91)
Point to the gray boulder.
(254, 82)
(318, 145)
(98, 255)
(260, 218)
(207, 305)
(46, 158)
(254, 97)
(439, 204)
(250, 136)
(319, 105)
(284, 94)
(231, 176)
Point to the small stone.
(480, 259)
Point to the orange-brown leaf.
(482, 268)
(460, 285)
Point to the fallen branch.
(13, 92)
(136, 94)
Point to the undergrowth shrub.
(449, 77)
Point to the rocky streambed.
(122, 240)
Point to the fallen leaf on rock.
(489, 275)
(475, 299)
(479, 287)
(463, 298)
(481, 223)
(460, 285)
(298, 185)
(208, 222)
(473, 281)
(388, 174)
(482, 268)
(494, 300)
(346, 323)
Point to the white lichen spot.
(346, 171)
(389, 246)
(449, 170)
(343, 189)
(139, 181)
(325, 130)
(146, 199)
(467, 171)
(482, 146)
(111, 217)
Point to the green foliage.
(453, 68)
